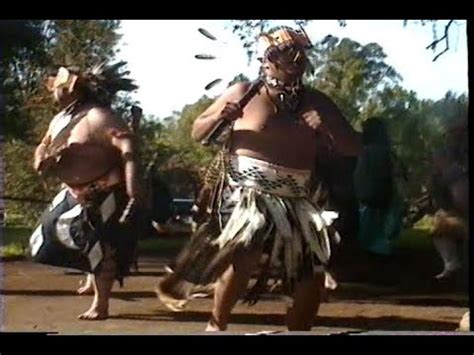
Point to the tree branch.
(445, 37)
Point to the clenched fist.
(231, 111)
(312, 118)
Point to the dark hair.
(374, 130)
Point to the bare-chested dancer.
(264, 218)
(92, 152)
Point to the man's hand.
(42, 165)
(37, 163)
(231, 112)
(312, 118)
(224, 108)
(39, 160)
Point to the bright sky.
(161, 59)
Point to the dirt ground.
(39, 298)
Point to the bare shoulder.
(101, 118)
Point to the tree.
(248, 30)
(192, 155)
(417, 129)
(351, 74)
(241, 78)
(180, 161)
(23, 56)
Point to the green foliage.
(192, 155)
(13, 251)
(82, 43)
(14, 243)
(22, 182)
(414, 239)
(417, 128)
(351, 74)
(24, 53)
(238, 79)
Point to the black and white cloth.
(73, 235)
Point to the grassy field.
(14, 241)
(418, 237)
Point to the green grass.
(156, 246)
(12, 251)
(14, 242)
(418, 237)
(415, 239)
(16, 234)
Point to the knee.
(108, 264)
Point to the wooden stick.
(244, 100)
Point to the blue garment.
(379, 228)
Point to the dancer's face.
(62, 94)
(285, 63)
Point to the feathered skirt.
(263, 206)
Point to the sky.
(160, 56)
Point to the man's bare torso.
(280, 138)
(89, 155)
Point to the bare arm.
(119, 135)
(223, 108)
(40, 150)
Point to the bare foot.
(464, 325)
(203, 291)
(447, 274)
(173, 304)
(213, 326)
(94, 314)
(86, 286)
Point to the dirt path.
(38, 298)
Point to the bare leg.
(102, 283)
(306, 300)
(230, 286)
(447, 248)
(173, 292)
(87, 286)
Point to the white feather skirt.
(262, 206)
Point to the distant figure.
(450, 198)
(450, 192)
(381, 206)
